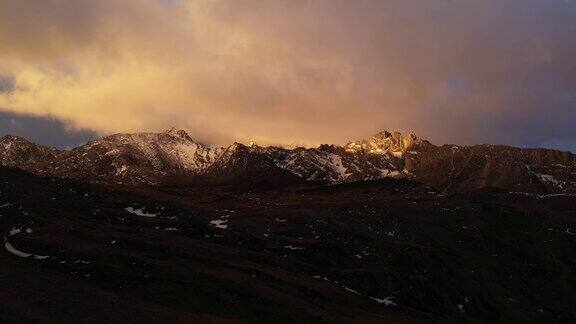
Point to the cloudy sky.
(290, 71)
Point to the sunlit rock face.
(173, 156)
(386, 142)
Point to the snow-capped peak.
(178, 133)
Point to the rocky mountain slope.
(158, 158)
(387, 250)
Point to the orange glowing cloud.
(284, 71)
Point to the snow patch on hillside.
(140, 212)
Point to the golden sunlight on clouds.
(194, 71)
(274, 71)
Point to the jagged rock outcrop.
(453, 168)
(20, 153)
(386, 143)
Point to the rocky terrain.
(173, 156)
(387, 250)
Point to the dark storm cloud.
(43, 131)
(500, 71)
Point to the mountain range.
(156, 227)
(173, 156)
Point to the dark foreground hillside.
(374, 251)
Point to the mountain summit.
(386, 142)
(179, 133)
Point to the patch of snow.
(351, 290)
(10, 248)
(336, 163)
(121, 169)
(114, 151)
(550, 180)
(219, 223)
(290, 247)
(14, 231)
(541, 196)
(139, 212)
(386, 301)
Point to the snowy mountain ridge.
(156, 158)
